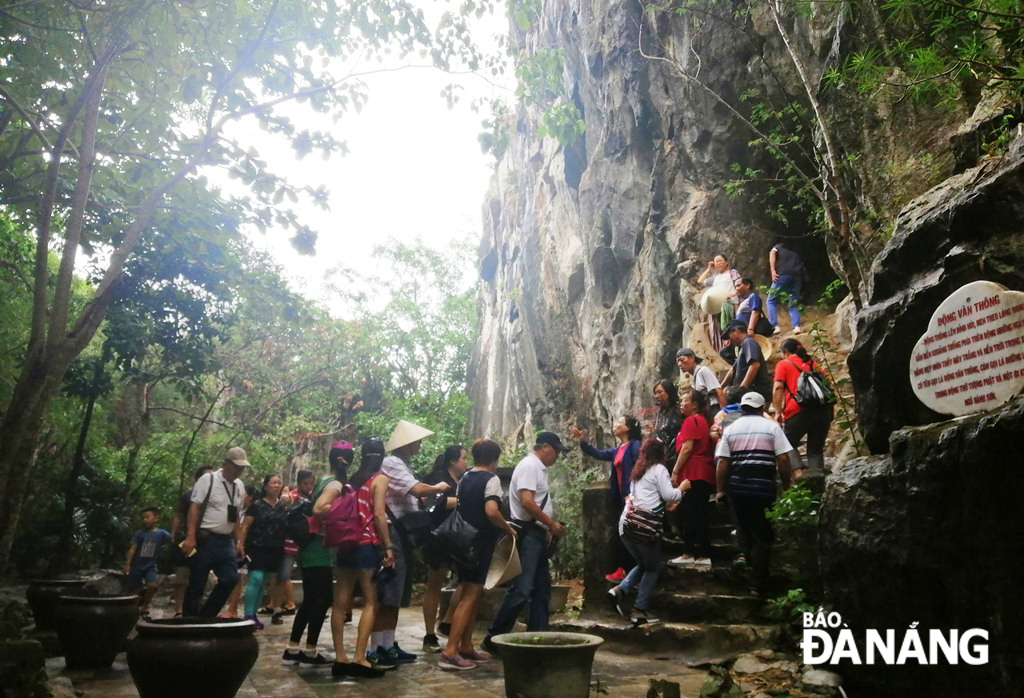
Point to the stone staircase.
(704, 615)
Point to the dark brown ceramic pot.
(92, 629)
(42, 598)
(206, 657)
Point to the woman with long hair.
(479, 497)
(359, 564)
(262, 535)
(622, 458)
(449, 467)
(650, 491)
(798, 420)
(695, 465)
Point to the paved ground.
(620, 675)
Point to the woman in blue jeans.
(650, 489)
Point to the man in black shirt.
(750, 369)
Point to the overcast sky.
(415, 168)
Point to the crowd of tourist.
(358, 527)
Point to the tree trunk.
(19, 433)
(67, 520)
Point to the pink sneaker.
(455, 663)
(476, 656)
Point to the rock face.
(591, 250)
(931, 534)
(968, 228)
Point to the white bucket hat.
(505, 563)
(405, 433)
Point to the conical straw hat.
(713, 300)
(766, 345)
(405, 433)
(504, 563)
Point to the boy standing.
(140, 565)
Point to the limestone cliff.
(590, 251)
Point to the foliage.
(789, 608)
(944, 50)
(795, 508)
(541, 83)
(497, 130)
(572, 476)
(110, 109)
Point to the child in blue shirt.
(140, 565)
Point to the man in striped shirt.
(749, 452)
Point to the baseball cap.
(687, 351)
(373, 446)
(734, 325)
(237, 456)
(755, 400)
(551, 439)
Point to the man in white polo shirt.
(532, 514)
(213, 526)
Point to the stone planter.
(547, 664)
(92, 629)
(205, 657)
(42, 598)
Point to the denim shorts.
(361, 557)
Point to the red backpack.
(343, 528)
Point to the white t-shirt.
(215, 518)
(530, 474)
(726, 280)
(400, 481)
(704, 379)
(652, 491)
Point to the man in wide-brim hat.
(402, 498)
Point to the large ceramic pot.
(92, 629)
(205, 657)
(547, 664)
(42, 598)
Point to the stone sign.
(971, 358)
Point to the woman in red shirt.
(695, 464)
(797, 421)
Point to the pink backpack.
(343, 528)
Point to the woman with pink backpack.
(359, 503)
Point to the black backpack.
(812, 390)
(297, 522)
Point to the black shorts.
(263, 559)
(433, 556)
(477, 574)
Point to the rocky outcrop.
(590, 250)
(966, 229)
(929, 534)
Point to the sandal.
(265, 611)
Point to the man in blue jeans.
(788, 276)
(532, 514)
(214, 518)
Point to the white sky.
(415, 168)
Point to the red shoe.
(616, 576)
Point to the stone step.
(689, 607)
(720, 552)
(692, 643)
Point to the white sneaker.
(682, 561)
(703, 564)
(797, 330)
(778, 331)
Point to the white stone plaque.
(971, 358)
